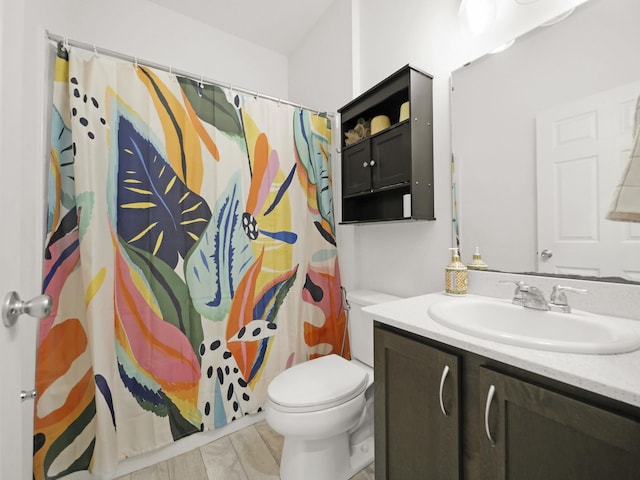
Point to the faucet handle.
(517, 294)
(559, 298)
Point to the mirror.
(495, 101)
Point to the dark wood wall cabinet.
(445, 413)
(379, 171)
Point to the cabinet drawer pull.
(487, 408)
(445, 374)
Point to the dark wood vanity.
(436, 418)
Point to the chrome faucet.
(517, 294)
(558, 299)
(532, 297)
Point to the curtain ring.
(95, 51)
(135, 63)
(200, 86)
(65, 43)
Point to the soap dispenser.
(477, 263)
(456, 275)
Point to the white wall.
(148, 31)
(409, 258)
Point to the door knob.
(546, 254)
(13, 307)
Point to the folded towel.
(625, 206)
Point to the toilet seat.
(318, 384)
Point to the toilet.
(324, 407)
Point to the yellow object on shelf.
(404, 112)
(379, 123)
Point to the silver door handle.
(487, 409)
(28, 395)
(445, 374)
(13, 307)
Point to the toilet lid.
(318, 384)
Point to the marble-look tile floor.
(252, 453)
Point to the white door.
(21, 211)
(582, 148)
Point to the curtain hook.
(200, 86)
(256, 95)
(135, 63)
(65, 43)
(95, 51)
(279, 100)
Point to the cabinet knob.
(373, 162)
(365, 164)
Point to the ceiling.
(279, 25)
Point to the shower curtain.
(191, 255)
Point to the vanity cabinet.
(417, 417)
(536, 433)
(382, 171)
(504, 423)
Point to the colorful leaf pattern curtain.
(191, 256)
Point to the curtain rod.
(121, 56)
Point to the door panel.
(391, 152)
(22, 167)
(417, 413)
(582, 148)
(356, 172)
(540, 435)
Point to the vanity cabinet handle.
(443, 378)
(487, 409)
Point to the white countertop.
(614, 376)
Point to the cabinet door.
(356, 168)
(391, 154)
(416, 407)
(542, 435)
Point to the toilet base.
(326, 459)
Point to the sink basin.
(501, 321)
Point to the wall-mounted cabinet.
(388, 175)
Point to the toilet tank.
(361, 324)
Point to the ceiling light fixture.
(477, 15)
